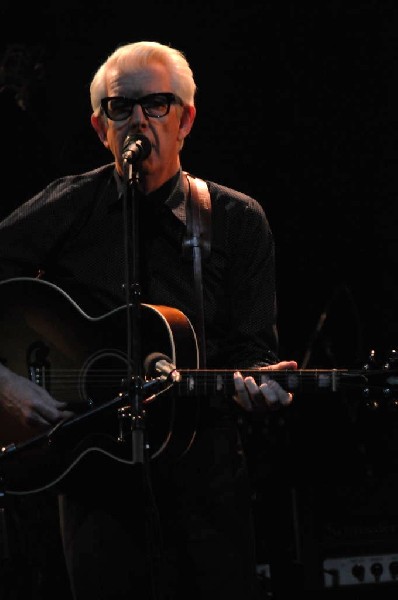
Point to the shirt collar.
(171, 193)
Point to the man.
(174, 528)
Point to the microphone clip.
(136, 148)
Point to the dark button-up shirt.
(73, 233)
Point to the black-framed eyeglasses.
(118, 108)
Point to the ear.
(186, 121)
(100, 126)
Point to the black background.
(297, 106)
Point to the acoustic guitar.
(82, 360)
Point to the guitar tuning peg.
(392, 359)
(372, 404)
(393, 405)
(371, 362)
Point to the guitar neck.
(310, 380)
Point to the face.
(165, 133)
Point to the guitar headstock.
(382, 376)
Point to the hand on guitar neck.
(269, 395)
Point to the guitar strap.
(197, 244)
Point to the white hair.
(140, 54)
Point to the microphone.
(136, 148)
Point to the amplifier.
(361, 570)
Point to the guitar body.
(46, 337)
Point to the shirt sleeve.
(253, 341)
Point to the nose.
(137, 114)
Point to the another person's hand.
(267, 395)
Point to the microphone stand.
(132, 288)
(136, 147)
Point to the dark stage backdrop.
(297, 106)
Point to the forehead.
(138, 80)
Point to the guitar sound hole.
(103, 377)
